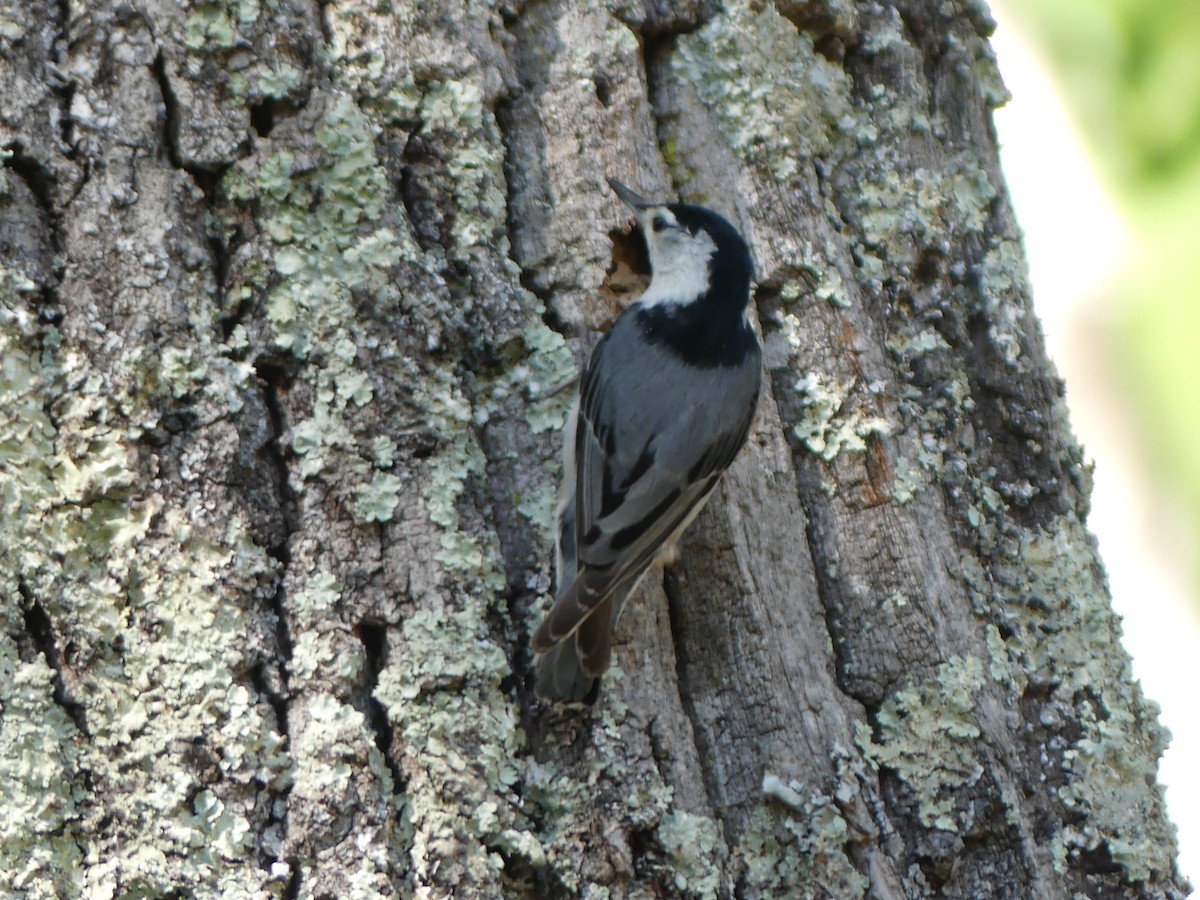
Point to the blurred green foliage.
(1130, 71)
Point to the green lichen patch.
(209, 25)
(377, 500)
(906, 480)
(330, 250)
(898, 213)
(183, 687)
(908, 347)
(926, 733)
(1050, 622)
(778, 100)
(475, 166)
(454, 120)
(443, 697)
(368, 68)
(826, 427)
(538, 507)
(547, 375)
(442, 692)
(318, 218)
(798, 848)
(460, 458)
(154, 603)
(1003, 282)
(1071, 642)
(336, 249)
(40, 854)
(831, 288)
(691, 845)
(217, 25)
(11, 30)
(278, 82)
(341, 778)
(626, 792)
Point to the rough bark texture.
(292, 295)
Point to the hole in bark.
(292, 891)
(37, 623)
(262, 118)
(41, 183)
(41, 630)
(420, 162)
(170, 133)
(830, 32)
(527, 880)
(1098, 861)
(630, 270)
(929, 266)
(603, 90)
(262, 685)
(832, 47)
(171, 424)
(878, 489)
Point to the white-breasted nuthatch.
(665, 403)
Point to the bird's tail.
(562, 671)
(568, 670)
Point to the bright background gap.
(1077, 244)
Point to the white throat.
(680, 271)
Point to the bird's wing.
(635, 489)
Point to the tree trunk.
(293, 296)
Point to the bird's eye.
(661, 223)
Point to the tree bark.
(293, 295)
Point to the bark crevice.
(276, 686)
(274, 383)
(705, 752)
(527, 201)
(207, 181)
(40, 628)
(170, 123)
(41, 183)
(63, 88)
(373, 637)
(656, 54)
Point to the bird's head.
(692, 250)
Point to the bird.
(665, 403)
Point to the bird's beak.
(636, 202)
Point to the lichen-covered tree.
(292, 300)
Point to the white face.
(678, 258)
